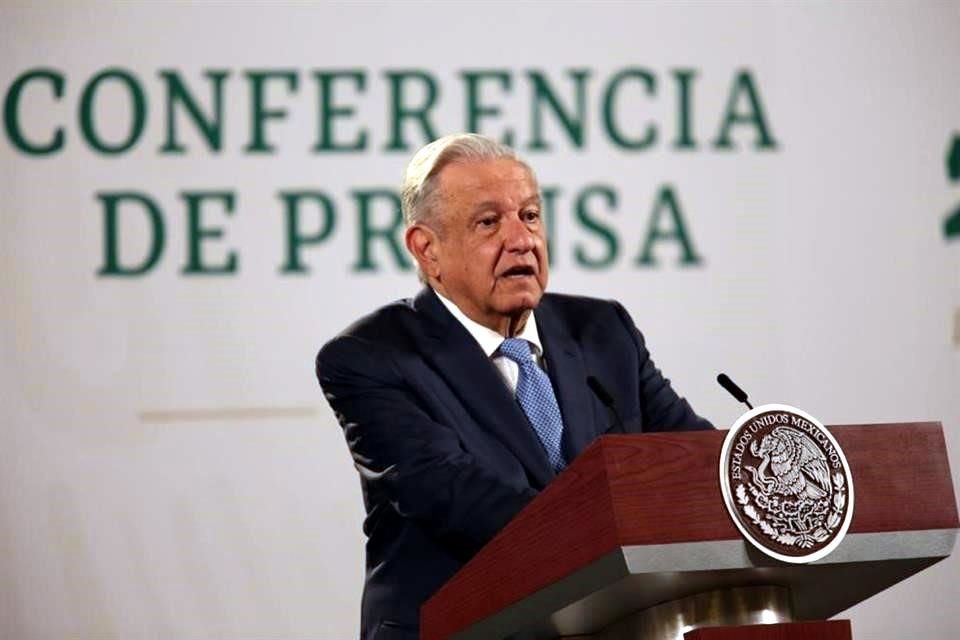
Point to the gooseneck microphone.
(734, 390)
(604, 397)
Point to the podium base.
(736, 607)
(828, 630)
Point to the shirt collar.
(488, 339)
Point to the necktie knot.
(517, 349)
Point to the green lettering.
(951, 225)
(685, 140)
(572, 123)
(390, 233)
(754, 115)
(602, 231)
(649, 83)
(197, 233)
(330, 110)
(476, 109)
(402, 111)
(260, 113)
(666, 203)
(11, 112)
(548, 199)
(296, 238)
(138, 119)
(210, 128)
(112, 265)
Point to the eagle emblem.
(798, 465)
(786, 483)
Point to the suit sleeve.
(405, 457)
(662, 409)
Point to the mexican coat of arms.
(786, 483)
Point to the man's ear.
(421, 242)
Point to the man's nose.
(518, 236)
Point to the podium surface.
(639, 520)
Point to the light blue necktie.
(535, 394)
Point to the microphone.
(733, 389)
(604, 397)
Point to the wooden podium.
(634, 537)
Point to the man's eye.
(531, 216)
(488, 221)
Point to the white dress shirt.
(489, 340)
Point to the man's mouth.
(520, 271)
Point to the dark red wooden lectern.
(637, 523)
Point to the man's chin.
(519, 302)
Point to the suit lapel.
(569, 376)
(458, 358)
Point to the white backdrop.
(168, 467)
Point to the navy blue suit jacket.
(446, 455)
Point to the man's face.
(490, 252)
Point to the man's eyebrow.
(485, 206)
(494, 205)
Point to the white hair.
(419, 189)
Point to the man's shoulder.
(581, 309)
(571, 301)
(382, 322)
(389, 324)
(397, 326)
(372, 342)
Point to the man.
(453, 427)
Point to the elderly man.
(461, 404)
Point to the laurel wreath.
(805, 541)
